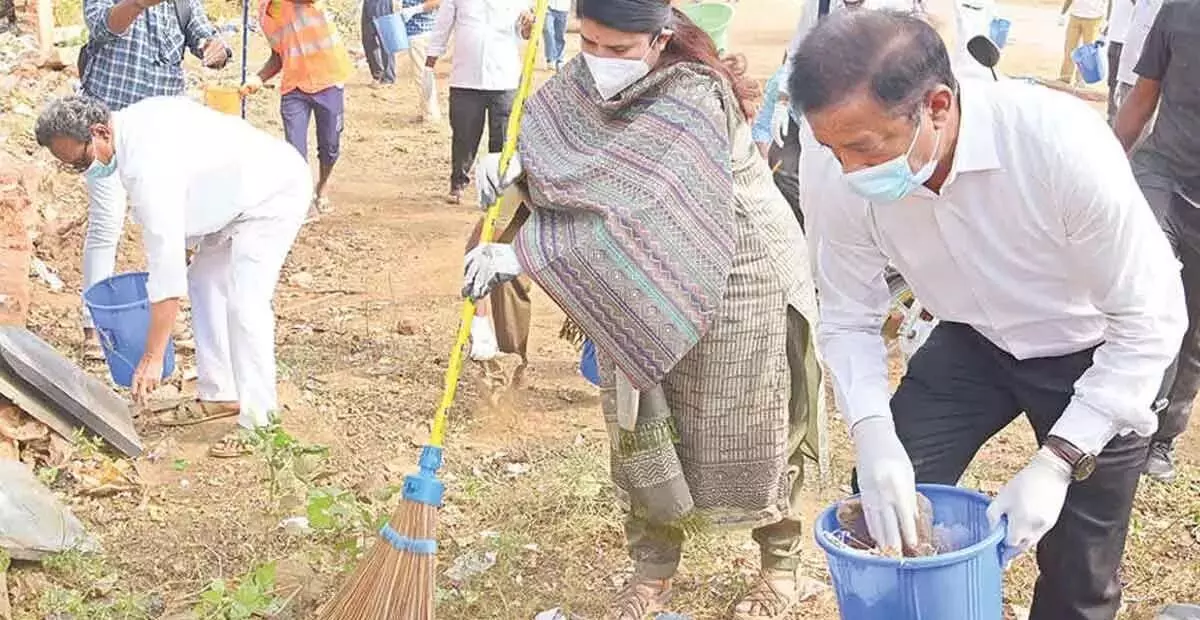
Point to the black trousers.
(785, 161)
(959, 391)
(1114, 63)
(470, 110)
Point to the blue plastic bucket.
(392, 32)
(966, 584)
(120, 309)
(1090, 62)
(998, 30)
(587, 363)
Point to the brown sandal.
(641, 598)
(199, 411)
(766, 601)
(231, 446)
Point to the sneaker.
(1160, 465)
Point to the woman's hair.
(688, 43)
(691, 44)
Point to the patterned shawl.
(621, 237)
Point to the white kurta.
(237, 195)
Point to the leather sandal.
(640, 599)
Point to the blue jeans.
(555, 35)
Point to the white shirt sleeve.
(159, 203)
(442, 27)
(1133, 275)
(851, 289)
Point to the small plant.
(337, 513)
(289, 461)
(253, 596)
(88, 446)
(179, 464)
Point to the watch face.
(1085, 467)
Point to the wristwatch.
(1082, 464)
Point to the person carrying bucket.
(1167, 167)
(654, 224)
(1084, 20)
(308, 51)
(211, 182)
(1014, 216)
(135, 50)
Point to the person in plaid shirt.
(135, 51)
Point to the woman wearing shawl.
(654, 223)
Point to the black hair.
(896, 57)
(646, 16)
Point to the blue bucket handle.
(109, 342)
(1007, 552)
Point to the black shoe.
(1161, 464)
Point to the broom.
(396, 579)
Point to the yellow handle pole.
(438, 435)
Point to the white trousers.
(107, 203)
(426, 83)
(231, 283)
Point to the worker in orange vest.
(311, 56)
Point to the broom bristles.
(395, 581)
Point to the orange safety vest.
(307, 41)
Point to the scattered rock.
(406, 327)
(301, 279)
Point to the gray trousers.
(1181, 222)
(470, 110)
(959, 391)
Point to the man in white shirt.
(1083, 26)
(1012, 212)
(1118, 29)
(483, 82)
(207, 181)
(1140, 23)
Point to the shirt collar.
(976, 148)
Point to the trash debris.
(554, 614)
(33, 523)
(668, 615)
(296, 526)
(46, 274)
(855, 535)
(469, 565)
(1180, 612)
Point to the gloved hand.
(487, 177)
(1062, 20)
(1032, 500)
(780, 120)
(488, 265)
(887, 484)
(408, 13)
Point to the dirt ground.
(368, 305)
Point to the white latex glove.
(487, 177)
(1062, 20)
(780, 119)
(488, 265)
(411, 12)
(1032, 500)
(887, 484)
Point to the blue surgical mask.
(98, 170)
(893, 179)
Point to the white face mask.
(614, 75)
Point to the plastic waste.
(33, 523)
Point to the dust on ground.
(368, 305)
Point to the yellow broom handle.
(438, 436)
